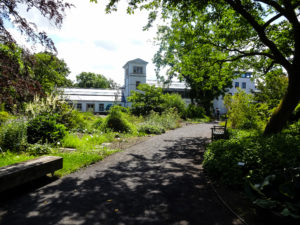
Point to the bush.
(53, 105)
(151, 129)
(4, 116)
(38, 149)
(261, 155)
(174, 101)
(45, 129)
(117, 122)
(13, 135)
(167, 120)
(193, 112)
(243, 113)
(98, 122)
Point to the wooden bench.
(20, 173)
(219, 132)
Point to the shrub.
(174, 101)
(242, 111)
(53, 105)
(261, 155)
(4, 116)
(117, 122)
(151, 129)
(167, 120)
(45, 129)
(98, 122)
(193, 111)
(13, 135)
(38, 149)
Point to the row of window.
(90, 107)
(237, 84)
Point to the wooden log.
(20, 173)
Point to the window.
(101, 107)
(79, 107)
(244, 85)
(236, 85)
(137, 83)
(138, 69)
(90, 107)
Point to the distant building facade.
(245, 83)
(135, 73)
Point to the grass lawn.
(72, 161)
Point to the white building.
(100, 100)
(244, 82)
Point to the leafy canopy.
(53, 10)
(51, 71)
(92, 80)
(257, 34)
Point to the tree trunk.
(292, 97)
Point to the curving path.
(159, 181)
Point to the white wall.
(250, 87)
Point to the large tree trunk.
(289, 102)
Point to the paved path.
(158, 182)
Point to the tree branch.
(272, 20)
(238, 7)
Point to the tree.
(17, 85)
(150, 98)
(50, 71)
(199, 65)
(262, 34)
(52, 10)
(92, 80)
(271, 88)
(147, 99)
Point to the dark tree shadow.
(168, 188)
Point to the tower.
(135, 74)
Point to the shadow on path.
(167, 188)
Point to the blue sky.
(92, 41)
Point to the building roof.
(173, 85)
(85, 94)
(137, 61)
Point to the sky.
(92, 41)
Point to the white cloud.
(92, 41)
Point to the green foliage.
(242, 112)
(45, 129)
(13, 135)
(53, 105)
(151, 129)
(86, 141)
(4, 116)
(50, 71)
(174, 101)
(262, 156)
(169, 119)
(38, 149)
(92, 80)
(193, 111)
(9, 158)
(279, 192)
(98, 122)
(272, 88)
(116, 121)
(78, 159)
(269, 169)
(211, 39)
(147, 99)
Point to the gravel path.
(159, 181)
